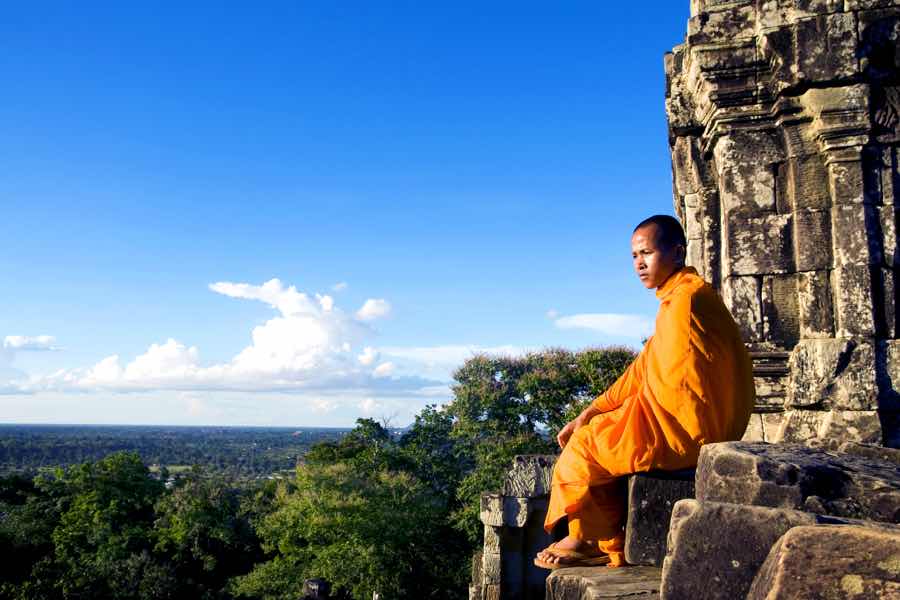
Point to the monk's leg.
(596, 518)
(600, 521)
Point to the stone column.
(514, 533)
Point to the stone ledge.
(595, 583)
(831, 561)
(799, 477)
(651, 497)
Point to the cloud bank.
(309, 345)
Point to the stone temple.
(784, 129)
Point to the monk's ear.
(680, 254)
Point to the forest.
(233, 452)
(372, 510)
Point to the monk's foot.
(566, 545)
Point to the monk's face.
(654, 261)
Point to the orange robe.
(692, 384)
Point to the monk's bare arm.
(562, 438)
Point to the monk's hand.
(562, 438)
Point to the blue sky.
(452, 177)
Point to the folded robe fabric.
(692, 384)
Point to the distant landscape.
(232, 452)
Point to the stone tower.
(784, 127)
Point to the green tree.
(27, 520)
(202, 530)
(104, 527)
(362, 530)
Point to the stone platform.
(595, 583)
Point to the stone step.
(595, 583)
(651, 497)
(716, 549)
(861, 482)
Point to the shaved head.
(669, 232)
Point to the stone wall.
(784, 128)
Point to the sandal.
(575, 558)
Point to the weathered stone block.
(758, 245)
(885, 297)
(764, 427)
(812, 240)
(780, 13)
(887, 220)
(772, 426)
(870, 451)
(853, 301)
(809, 183)
(781, 315)
(868, 4)
(770, 393)
(731, 23)
(491, 568)
(491, 592)
(853, 226)
(747, 164)
(498, 510)
(890, 171)
(826, 47)
(845, 181)
(530, 476)
(651, 497)
(834, 373)
(814, 305)
(799, 477)
(474, 592)
(694, 256)
(477, 571)
(715, 549)
(579, 583)
(809, 426)
(686, 165)
(743, 297)
(754, 431)
(693, 222)
(491, 539)
(831, 562)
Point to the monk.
(692, 384)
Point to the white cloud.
(552, 314)
(30, 342)
(368, 357)
(373, 308)
(340, 286)
(310, 345)
(288, 301)
(368, 405)
(613, 324)
(385, 369)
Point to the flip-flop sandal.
(577, 559)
